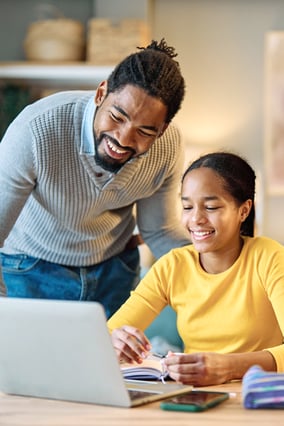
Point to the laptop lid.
(63, 350)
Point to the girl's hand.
(130, 344)
(198, 369)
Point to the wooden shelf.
(75, 74)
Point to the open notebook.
(62, 350)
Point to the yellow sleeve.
(145, 302)
(278, 354)
(273, 264)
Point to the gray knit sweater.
(52, 205)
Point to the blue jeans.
(109, 282)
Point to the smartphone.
(194, 400)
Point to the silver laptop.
(63, 350)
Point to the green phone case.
(173, 404)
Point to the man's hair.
(154, 70)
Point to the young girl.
(227, 288)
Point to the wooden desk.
(23, 411)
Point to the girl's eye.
(211, 208)
(207, 208)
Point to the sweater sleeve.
(158, 216)
(17, 172)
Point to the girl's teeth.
(201, 233)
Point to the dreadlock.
(154, 70)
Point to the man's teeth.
(114, 148)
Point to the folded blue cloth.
(262, 389)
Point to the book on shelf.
(151, 368)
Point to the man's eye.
(146, 135)
(115, 117)
(187, 207)
(211, 208)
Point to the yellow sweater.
(239, 310)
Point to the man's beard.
(105, 161)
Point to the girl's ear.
(101, 93)
(245, 209)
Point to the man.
(72, 168)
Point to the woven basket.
(109, 43)
(55, 40)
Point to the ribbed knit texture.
(68, 217)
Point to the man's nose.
(126, 137)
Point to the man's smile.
(113, 150)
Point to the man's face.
(126, 124)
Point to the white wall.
(221, 51)
(119, 9)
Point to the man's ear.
(101, 93)
(165, 126)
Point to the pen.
(155, 355)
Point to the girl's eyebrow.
(208, 198)
(152, 128)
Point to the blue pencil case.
(262, 389)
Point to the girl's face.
(210, 213)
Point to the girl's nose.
(198, 216)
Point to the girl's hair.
(238, 177)
(154, 70)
